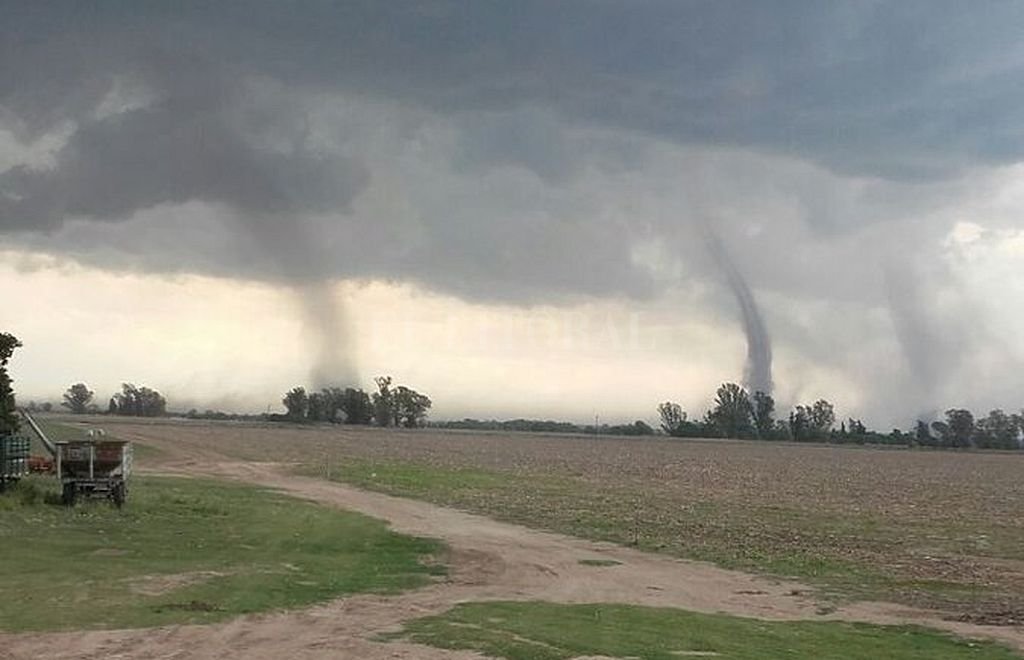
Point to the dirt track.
(489, 560)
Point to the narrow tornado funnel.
(329, 334)
(757, 375)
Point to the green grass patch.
(544, 631)
(192, 551)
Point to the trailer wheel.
(69, 494)
(118, 495)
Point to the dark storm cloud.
(172, 153)
(508, 150)
(893, 88)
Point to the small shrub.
(29, 494)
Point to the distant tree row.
(388, 406)
(639, 427)
(998, 430)
(736, 413)
(333, 404)
(520, 425)
(220, 415)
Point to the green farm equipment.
(94, 468)
(14, 452)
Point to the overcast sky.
(521, 208)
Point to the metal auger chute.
(50, 447)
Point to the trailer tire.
(118, 495)
(69, 494)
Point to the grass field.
(543, 631)
(187, 550)
(936, 529)
(72, 430)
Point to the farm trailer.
(94, 468)
(14, 451)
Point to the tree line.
(388, 406)
(9, 422)
(132, 401)
(736, 413)
(959, 429)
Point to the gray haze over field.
(529, 153)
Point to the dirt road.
(489, 560)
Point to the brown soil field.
(938, 530)
(550, 481)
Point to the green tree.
(317, 409)
(959, 428)
(9, 422)
(944, 437)
(823, 418)
(410, 407)
(814, 422)
(297, 402)
(384, 402)
(996, 431)
(800, 424)
(763, 414)
(153, 403)
(732, 415)
(332, 397)
(138, 402)
(923, 434)
(357, 406)
(639, 427)
(77, 398)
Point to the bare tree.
(672, 417)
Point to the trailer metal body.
(14, 450)
(94, 468)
